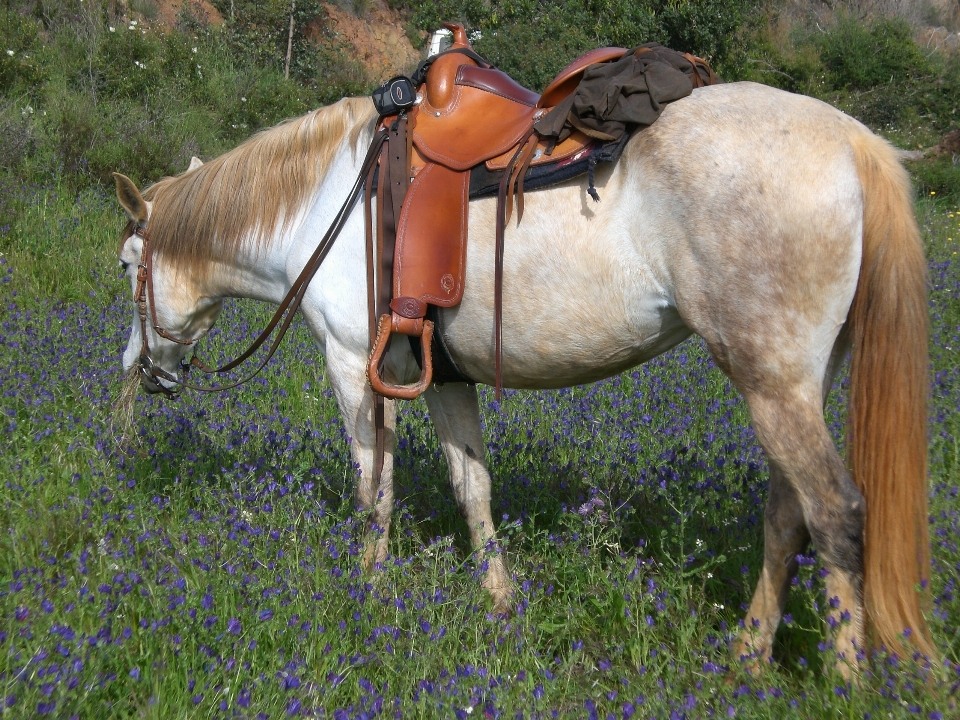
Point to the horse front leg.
(374, 496)
(455, 412)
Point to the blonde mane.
(252, 191)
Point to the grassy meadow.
(211, 568)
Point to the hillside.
(87, 88)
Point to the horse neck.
(255, 274)
(262, 271)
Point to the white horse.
(772, 225)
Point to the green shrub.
(534, 48)
(74, 122)
(17, 132)
(862, 56)
(146, 8)
(939, 101)
(259, 30)
(130, 62)
(704, 27)
(532, 41)
(19, 41)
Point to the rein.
(283, 317)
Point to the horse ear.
(131, 199)
(195, 162)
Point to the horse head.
(171, 309)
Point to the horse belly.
(580, 304)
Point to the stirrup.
(399, 392)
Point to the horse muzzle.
(152, 377)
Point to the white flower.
(133, 22)
(10, 53)
(112, 29)
(194, 49)
(243, 99)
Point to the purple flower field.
(211, 567)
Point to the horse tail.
(887, 428)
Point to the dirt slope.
(167, 11)
(380, 45)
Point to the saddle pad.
(488, 114)
(431, 251)
(485, 182)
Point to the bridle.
(145, 294)
(146, 367)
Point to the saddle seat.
(471, 114)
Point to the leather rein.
(283, 317)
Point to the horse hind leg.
(785, 535)
(811, 495)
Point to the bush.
(533, 41)
(859, 57)
(939, 100)
(111, 94)
(19, 41)
(130, 62)
(16, 132)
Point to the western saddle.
(467, 113)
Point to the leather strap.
(502, 196)
(408, 321)
(513, 173)
(379, 415)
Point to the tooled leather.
(432, 237)
(475, 126)
(408, 307)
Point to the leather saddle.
(468, 114)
